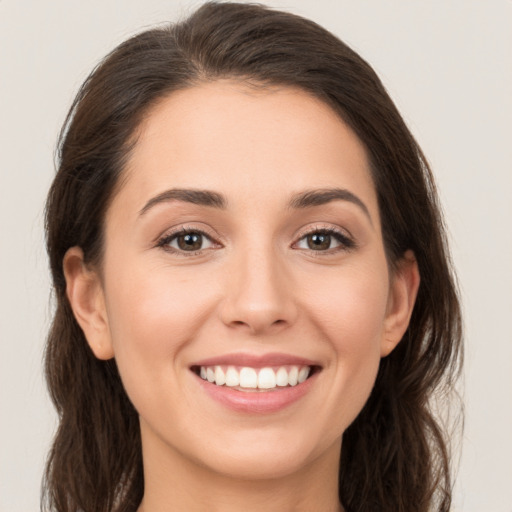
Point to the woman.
(255, 305)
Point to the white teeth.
(232, 377)
(266, 378)
(251, 378)
(282, 377)
(293, 376)
(220, 377)
(248, 378)
(303, 374)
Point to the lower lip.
(257, 402)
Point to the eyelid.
(343, 236)
(169, 235)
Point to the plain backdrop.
(448, 66)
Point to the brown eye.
(319, 241)
(190, 241)
(186, 241)
(324, 241)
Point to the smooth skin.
(263, 272)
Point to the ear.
(405, 282)
(85, 294)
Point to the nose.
(259, 296)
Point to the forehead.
(245, 142)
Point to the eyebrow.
(318, 197)
(301, 200)
(199, 197)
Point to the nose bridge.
(258, 294)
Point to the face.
(244, 244)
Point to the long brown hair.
(395, 455)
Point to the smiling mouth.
(249, 379)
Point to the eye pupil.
(319, 241)
(190, 241)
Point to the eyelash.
(164, 242)
(346, 242)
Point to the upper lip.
(256, 360)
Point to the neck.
(174, 480)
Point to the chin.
(265, 455)
(254, 466)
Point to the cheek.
(350, 307)
(152, 315)
(350, 313)
(165, 304)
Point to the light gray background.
(447, 64)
